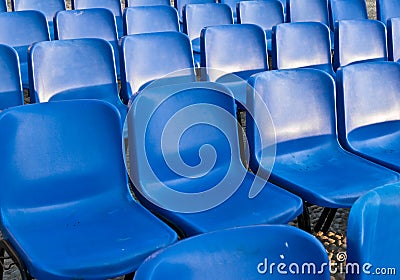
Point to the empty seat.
(386, 9)
(150, 56)
(179, 4)
(393, 39)
(3, 6)
(239, 253)
(113, 5)
(187, 135)
(10, 87)
(198, 16)
(133, 3)
(48, 7)
(222, 52)
(308, 10)
(309, 160)
(88, 23)
(266, 14)
(368, 111)
(302, 45)
(371, 235)
(147, 19)
(359, 40)
(66, 210)
(74, 69)
(34, 29)
(347, 9)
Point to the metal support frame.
(5, 247)
(325, 220)
(303, 220)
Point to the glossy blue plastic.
(10, 87)
(3, 6)
(372, 234)
(147, 19)
(198, 138)
(308, 10)
(266, 14)
(368, 102)
(386, 9)
(34, 29)
(150, 56)
(113, 5)
(347, 9)
(359, 40)
(87, 72)
(134, 3)
(88, 23)
(393, 38)
(48, 7)
(198, 16)
(302, 45)
(179, 4)
(238, 254)
(309, 160)
(65, 203)
(222, 47)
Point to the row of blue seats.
(66, 211)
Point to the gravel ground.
(334, 240)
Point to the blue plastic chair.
(302, 45)
(386, 9)
(347, 9)
(266, 14)
(222, 48)
(239, 253)
(88, 23)
(179, 4)
(134, 3)
(368, 101)
(147, 19)
(187, 136)
(47, 7)
(307, 10)
(34, 29)
(3, 6)
(87, 72)
(66, 210)
(150, 56)
(198, 16)
(113, 5)
(358, 41)
(309, 160)
(372, 234)
(10, 87)
(393, 38)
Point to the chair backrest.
(367, 94)
(53, 147)
(150, 56)
(386, 9)
(73, 69)
(301, 103)
(147, 19)
(48, 7)
(307, 10)
(88, 23)
(301, 44)
(393, 38)
(347, 9)
(222, 48)
(3, 6)
(179, 4)
(359, 40)
(113, 5)
(10, 87)
(34, 29)
(266, 13)
(371, 233)
(198, 16)
(238, 253)
(133, 3)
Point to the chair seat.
(78, 248)
(325, 174)
(272, 205)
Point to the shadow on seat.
(66, 210)
(346, 9)
(239, 253)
